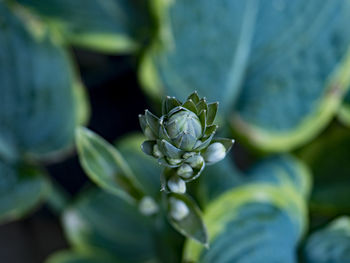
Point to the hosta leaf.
(282, 170)
(197, 50)
(37, 103)
(75, 257)
(248, 223)
(217, 179)
(331, 244)
(106, 166)
(21, 189)
(104, 222)
(260, 220)
(328, 158)
(297, 74)
(109, 25)
(290, 59)
(145, 168)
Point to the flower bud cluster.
(182, 139)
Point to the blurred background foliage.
(281, 71)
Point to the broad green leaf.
(106, 166)
(248, 223)
(289, 59)
(22, 188)
(328, 158)
(37, 102)
(75, 257)
(216, 179)
(198, 51)
(146, 169)
(186, 217)
(331, 244)
(297, 74)
(267, 210)
(99, 221)
(283, 170)
(108, 25)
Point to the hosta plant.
(256, 216)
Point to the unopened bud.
(174, 161)
(215, 152)
(195, 161)
(148, 206)
(178, 209)
(185, 171)
(176, 185)
(188, 155)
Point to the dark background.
(116, 100)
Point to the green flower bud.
(174, 161)
(176, 185)
(188, 155)
(195, 161)
(185, 171)
(184, 127)
(178, 209)
(148, 206)
(156, 152)
(215, 152)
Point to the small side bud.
(178, 209)
(195, 161)
(185, 171)
(148, 206)
(215, 152)
(156, 152)
(174, 161)
(188, 155)
(176, 185)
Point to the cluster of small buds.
(182, 140)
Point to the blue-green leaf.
(145, 168)
(247, 223)
(38, 102)
(109, 25)
(104, 222)
(331, 244)
(217, 179)
(282, 170)
(297, 75)
(22, 188)
(197, 51)
(106, 166)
